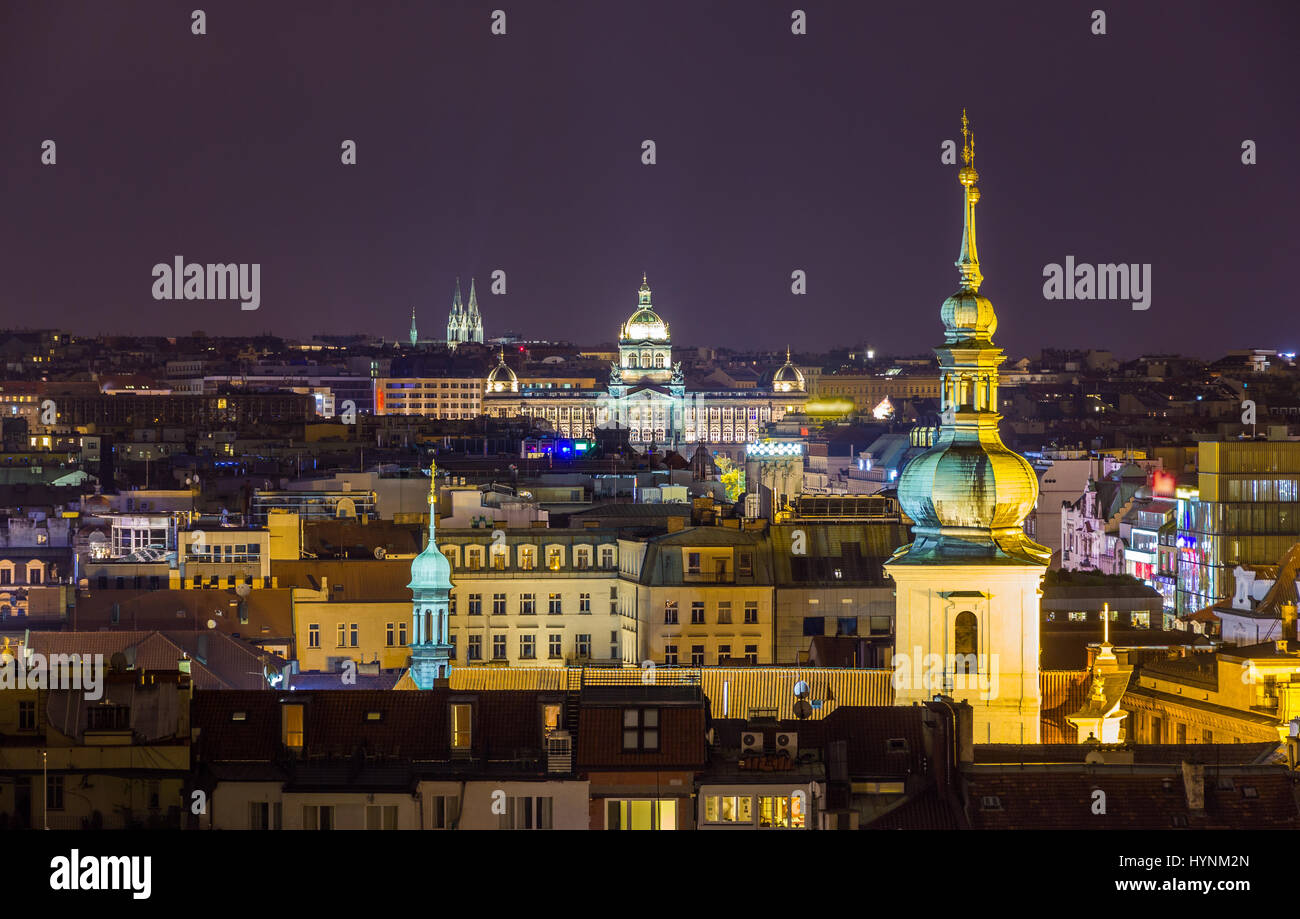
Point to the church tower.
(473, 321)
(415, 336)
(456, 320)
(968, 586)
(431, 648)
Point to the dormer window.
(291, 727)
(640, 729)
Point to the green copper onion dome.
(968, 495)
(430, 570)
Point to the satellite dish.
(380, 552)
(117, 662)
(802, 710)
(212, 623)
(243, 590)
(801, 690)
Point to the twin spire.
(464, 323)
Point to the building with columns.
(967, 600)
(647, 395)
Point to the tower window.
(966, 633)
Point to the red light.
(803, 432)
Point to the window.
(582, 645)
(313, 635)
(554, 557)
(879, 625)
(381, 816)
(264, 815)
(847, 625)
(724, 612)
(476, 604)
(317, 817)
(528, 647)
(584, 603)
(26, 716)
(751, 612)
(554, 604)
(499, 557)
(670, 654)
(451, 604)
(751, 654)
(528, 813)
(670, 612)
(729, 809)
(692, 563)
(814, 625)
(527, 557)
(697, 655)
(641, 814)
(1078, 616)
(966, 634)
(640, 729)
(401, 634)
(528, 604)
(343, 635)
(54, 792)
(390, 633)
(291, 726)
(354, 634)
(499, 647)
(475, 648)
(444, 810)
(461, 723)
(781, 811)
(745, 564)
(555, 645)
(697, 612)
(724, 652)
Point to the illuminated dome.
(788, 378)
(644, 324)
(980, 486)
(502, 378)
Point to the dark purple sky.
(775, 152)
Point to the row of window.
(527, 604)
(526, 556)
(396, 634)
(697, 655)
(723, 612)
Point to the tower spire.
(968, 262)
(414, 335)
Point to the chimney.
(1194, 785)
(1288, 621)
(676, 523)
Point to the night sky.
(775, 152)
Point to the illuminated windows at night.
(554, 604)
(764, 811)
(641, 814)
(291, 726)
(462, 714)
(670, 612)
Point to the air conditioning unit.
(559, 752)
(751, 742)
(788, 742)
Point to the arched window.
(659, 361)
(966, 633)
(631, 361)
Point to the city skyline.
(770, 159)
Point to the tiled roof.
(1063, 693)
(681, 739)
(1239, 754)
(926, 811)
(1046, 798)
(360, 579)
(867, 732)
(226, 662)
(157, 609)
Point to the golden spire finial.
(787, 354)
(965, 139)
(433, 480)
